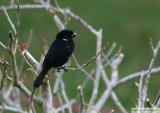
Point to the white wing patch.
(64, 39)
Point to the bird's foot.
(62, 68)
(58, 69)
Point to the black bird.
(58, 54)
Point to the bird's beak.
(74, 34)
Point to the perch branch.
(90, 60)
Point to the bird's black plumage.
(58, 54)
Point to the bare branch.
(102, 61)
(65, 96)
(47, 96)
(58, 22)
(61, 103)
(87, 63)
(12, 109)
(3, 46)
(13, 58)
(133, 76)
(18, 23)
(155, 51)
(5, 75)
(30, 60)
(28, 44)
(98, 70)
(26, 6)
(28, 93)
(82, 69)
(81, 98)
(65, 106)
(157, 100)
(141, 97)
(115, 63)
(9, 20)
(93, 109)
(118, 103)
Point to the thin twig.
(132, 76)
(118, 103)
(65, 106)
(5, 75)
(87, 105)
(114, 75)
(28, 44)
(63, 91)
(37, 100)
(18, 24)
(90, 60)
(82, 69)
(4, 47)
(60, 100)
(9, 20)
(31, 106)
(157, 99)
(147, 77)
(12, 109)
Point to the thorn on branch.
(31, 106)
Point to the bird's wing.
(58, 49)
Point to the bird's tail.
(39, 79)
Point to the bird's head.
(66, 35)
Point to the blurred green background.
(128, 23)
